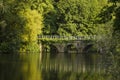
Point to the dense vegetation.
(22, 20)
(19, 28)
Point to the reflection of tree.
(30, 68)
(19, 67)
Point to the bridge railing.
(57, 37)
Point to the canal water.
(52, 66)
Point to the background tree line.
(22, 20)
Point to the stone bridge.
(61, 44)
(80, 46)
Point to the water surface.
(54, 66)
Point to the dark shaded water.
(48, 66)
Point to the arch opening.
(70, 48)
(53, 51)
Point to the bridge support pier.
(79, 46)
(60, 47)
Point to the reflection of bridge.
(72, 67)
(61, 43)
(66, 63)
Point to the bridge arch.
(88, 48)
(53, 49)
(70, 47)
(60, 46)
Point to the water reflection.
(79, 63)
(19, 67)
(60, 66)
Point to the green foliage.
(112, 57)
(19, 28)
(114, 1)
(73, 17)
(32, 27)
(33, 24)
(116, 21)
